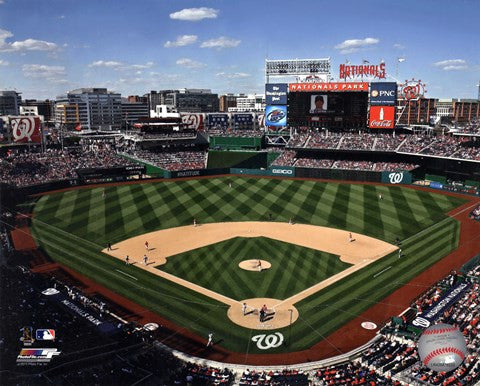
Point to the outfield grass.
(74, 226)
(294, 268)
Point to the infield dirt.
(358, 250)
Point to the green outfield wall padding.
(238, 159)
(150, 169)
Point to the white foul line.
(379, 273)
(126, 274)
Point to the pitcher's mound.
(278, 315)
(253, 265)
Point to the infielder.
(210, 340)
(145, 259)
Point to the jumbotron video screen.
(327, 109)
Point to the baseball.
(442, 347)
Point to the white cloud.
(235, 75)
(189, 63)
(183, 40)
(114, 65)
(452, 64)
(24, 45)
(221, 42)
(53, 74)
(399, 46)
(1, 1)
(455, 68)
(353, 45)
(3, 63)
(195, 14)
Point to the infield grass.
(294, 268)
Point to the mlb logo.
(45, 334)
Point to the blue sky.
(132, 46)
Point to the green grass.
(294, 268)
(74, 226)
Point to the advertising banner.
(397, 177)
(383, 94)
(276, 93)
(218, 120)
(243, 119)
(276, 116)
(382, 117)
(334, 86)
(429, 316)
(26, 129)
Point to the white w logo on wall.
(25, 129)
(265, 342)
(395, 178)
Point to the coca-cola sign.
(382, 117)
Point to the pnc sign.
(383, 94)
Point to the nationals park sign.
(333, 86)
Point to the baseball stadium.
(316, 239)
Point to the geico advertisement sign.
(282, 171)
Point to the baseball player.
(146, 245)
(210, 340)
(400, 253)
(194, 222)
(145, 259)
(244, 308)
(350, 237)
(127, 260)
(109, 246)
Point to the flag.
(400, 60)
(78, 127)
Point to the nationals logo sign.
(354, 71)
(382, 117)
(193, 121)
(412, 89)
(26, 129)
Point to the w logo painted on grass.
(395, 178)
(265, 342)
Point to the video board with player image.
(334, 109)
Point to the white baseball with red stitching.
(442, 347)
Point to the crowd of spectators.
(168, 135)
(24, 167)
(270, 378)
(323, 140)
(229, 132)
(443, 146)
(172, 160)
(289, 158)
(126, 357)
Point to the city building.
(10, 102)
(92, 108)
(185, 100)
(415, 112)
(132, 111)
(43, 109)
(466, 110)
(228, 101)
(247, 103)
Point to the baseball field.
(197, 287)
